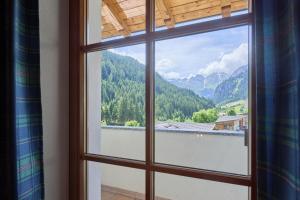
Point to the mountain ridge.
(202, 86)
(213, 85)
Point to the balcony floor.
(113, 193)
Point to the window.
(161, 100)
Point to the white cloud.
(163, 65)
(170, 75)
(228, 62)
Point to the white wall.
(54, 41)
(94, 99)
(213, 150)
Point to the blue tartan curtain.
(21, 156)
(278, 76)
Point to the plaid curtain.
(21, 163)
(278, 76)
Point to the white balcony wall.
(222, 151)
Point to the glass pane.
(174, 13)
(110, 182)
(112, 19)
(171, 187)
(116, 102)
(201, 101)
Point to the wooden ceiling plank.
(183, 9)
(134, 18)
(111, 11)
(226, 8)
(226, 11)
(133, 12)
(110, 18)
(198, 14)
(129, 4)
(165, 12)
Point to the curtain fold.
(278, 74)
(21, 146)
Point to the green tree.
(231, 112)
(212, 115)
(178, 116)
(200, 117)
(205, 116)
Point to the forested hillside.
(123, 94)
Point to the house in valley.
(236, 123)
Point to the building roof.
(184, 126)
(124, 17)
(230, 118)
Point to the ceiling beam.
(226, 8)
(112, 13)
(164, 9)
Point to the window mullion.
(149, 119)
(150, 24)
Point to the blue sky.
(219, 51)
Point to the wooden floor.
(113, 193)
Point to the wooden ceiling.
(124, 17)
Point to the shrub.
(132, 123)
(205, 116)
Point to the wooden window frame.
(77, 147)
